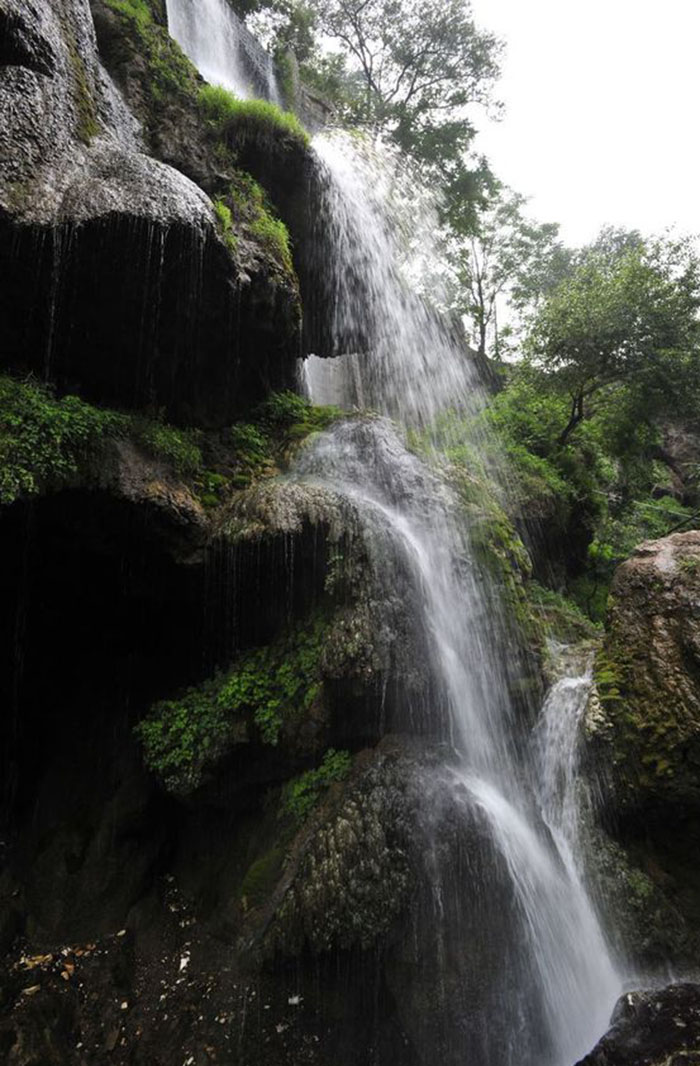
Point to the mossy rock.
(644, 719)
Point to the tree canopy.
(629, 316)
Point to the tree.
(421, 62)
(504, 259)
(411, 69)
(624, 316)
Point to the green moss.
(46, 442)
(282, 421)
(170, 73)
(301, 794)
(246, 204)
(225, 220)
(270, 685)
(249, 118)
(261, 878)
(83, 99)
(562, 618)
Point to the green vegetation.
(46, 442)
(303, 792)
(223, 109)
(270, 685)
(225, 220)
(247, 204)
(280, 423)
(83, 98)
(561, 617)
(171, 76)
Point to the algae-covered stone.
(351, 879)
(644, 719)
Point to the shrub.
(271, 684)
(302, 793)
(46, 441)
(43, 440)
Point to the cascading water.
(550, 995)
(222, 49)
(411, 369)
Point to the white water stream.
(380, 229)
(221, 48)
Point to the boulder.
(642, 737)
(644, 718)
(653, 1027)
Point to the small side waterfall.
(222, 49)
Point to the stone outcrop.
(654, 1027)
(644, 720)
(103, 245)
(642, 735)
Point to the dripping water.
(411, 368)
(391, 350)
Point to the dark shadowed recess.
(105, 608)
(132, 313)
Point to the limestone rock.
(657, 1027)
(118, 282)
(644, 722)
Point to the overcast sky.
(602, 120)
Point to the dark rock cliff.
(103, 245)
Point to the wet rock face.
(642, 733)
(645, 721)
(118, 284)
(659, 1027)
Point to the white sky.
(602, 120)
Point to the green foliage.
(290, 414)
(46, 442)
(273, 235)
(282, 421)
(411, 69)
(217, 104)
(180, 736)
(624, 315)
(171, 76)
(302, 793)
(501, 258)
(617, 535)
(260, 118)
(562, 618)
(225, 220)
(179, 447)
(246, 204)
(272, 684)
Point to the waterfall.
(409, 367)
(222, 49)
(550, 997)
